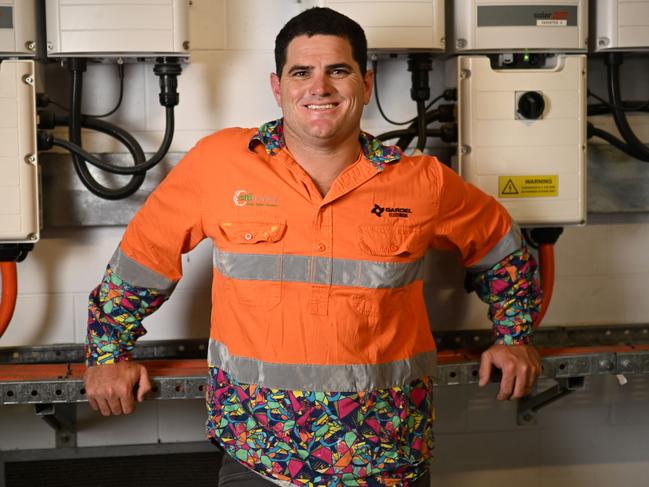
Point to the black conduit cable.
(77, 66)
(139, 168)
(408, 132)
(610, 138)
(43, 100)
(605, 109)
(443, 113)
(107, 128)
(638, 149)
(167, 69)
(375, 69)
(625, 106)
(421, 125)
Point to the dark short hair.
(321, 21)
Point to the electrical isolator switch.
(530, 105)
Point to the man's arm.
(140, 277)
(512, 291)
(503, 275)
(115, 313)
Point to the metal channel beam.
(192, 385)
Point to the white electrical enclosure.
(17, 28)
(621, 25)
(522, 137)
(518, 25)
(117, 28)
(396, 26)
(19, 195)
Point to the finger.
(104, 408)
(506, 384)
(115, 405)
(93, 404)
(523, 384)
(127, 404)
(144, 385)
(485, 369)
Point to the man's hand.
(520, 366)
(109, 388)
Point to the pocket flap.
(251, 232)
(388, 240)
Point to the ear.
(277, 90)
(368, 84)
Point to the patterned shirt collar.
(271, 136)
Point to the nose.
(320, 85)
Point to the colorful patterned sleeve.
(511, 288)
(115, 313)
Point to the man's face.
(321, 91)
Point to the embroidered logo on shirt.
(392, 212)
(378, 210)
(242, 198)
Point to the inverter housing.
(17, 28)
(475, 26)
(117, 28)
(19, 190)
(522, 137)
(397, 26)
(620, 25)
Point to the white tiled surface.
(596, 437)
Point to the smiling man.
(320, 354)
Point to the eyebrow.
(328, 67)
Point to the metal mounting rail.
(186, 379)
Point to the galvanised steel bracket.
(63, 418)
(528, 406)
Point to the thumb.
(485, 369)
(144, 384)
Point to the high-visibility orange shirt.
(310, 293)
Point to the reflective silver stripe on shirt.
(137, 275)
(511, 242)
(317, 270)
(335, 378)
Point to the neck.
(323, 161)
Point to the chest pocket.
(390, 241)
(253, 262)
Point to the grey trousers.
(232, 473)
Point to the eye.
(300, 73)
(339, 72)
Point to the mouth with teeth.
(328, 106)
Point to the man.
(320, 352)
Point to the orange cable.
(9, 278)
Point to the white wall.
(598, 435)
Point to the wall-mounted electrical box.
(522, 134)
(621, 25)
(517, 25)
(396, 26)
(17, 28)
(19, 196)
(117, 28)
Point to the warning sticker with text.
(528, 186)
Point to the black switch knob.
(531, 105)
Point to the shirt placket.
(321, 264)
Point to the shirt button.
(393, 248)
(248, 236)
(321, 247)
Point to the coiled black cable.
(636, 147)
(140, 166)
(167, 70)
(77, 67)
(610, 138)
